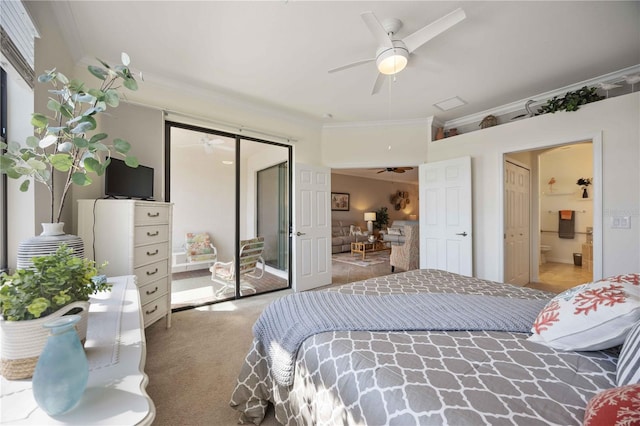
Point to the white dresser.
(134, 237)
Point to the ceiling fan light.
(392, 61)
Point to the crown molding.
(613, 77)
(211, 95)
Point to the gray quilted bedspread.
(290, 320)
(426, 377)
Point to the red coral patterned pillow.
(617, 406)
(591, 316)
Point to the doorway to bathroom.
(549, 216)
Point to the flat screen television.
(122, 181)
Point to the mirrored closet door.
(232, 215)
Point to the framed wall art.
(339, 201)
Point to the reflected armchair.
(251, 265)
(199, 248)
(407, 256)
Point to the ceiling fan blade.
(399, 171)
(381, 171)
(423, 35)
(376, 29)
(378, 84)
(353, 64)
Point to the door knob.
(464, 234)
(298, 234)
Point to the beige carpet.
(192, 366)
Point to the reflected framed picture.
(339, 201)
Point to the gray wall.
(368, 195)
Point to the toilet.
(544, 249)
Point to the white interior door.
(446, 237)
(516, 226)
(312, 227)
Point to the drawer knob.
(153, 234)
(152, 311)
(151, 292)
(152, 253)
(152, 272)
(156, 214)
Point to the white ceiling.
(277, 54)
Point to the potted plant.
(58, 284)
(382, 219)
(65, 140)
(571, 101)
(584, 183)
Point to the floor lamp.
(370, 217)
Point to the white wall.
(616, 119)
(203, 191)
(50, 53)
(20, 205)
(382, 144)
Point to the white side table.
(116, 351)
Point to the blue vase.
(62, 371)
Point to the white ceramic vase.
(52, 229)
(47, 242)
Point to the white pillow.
(355, 230)
(394, 231)
(591, 316)
(628, 369)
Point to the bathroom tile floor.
(557, 277)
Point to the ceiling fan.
(395, 169)
(209, 143)
(392, 54)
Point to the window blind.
(17, 34)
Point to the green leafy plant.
(382, 218)
(571, 101)
(584, 182)
(54, 281)
(63, 140)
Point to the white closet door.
(516, 237)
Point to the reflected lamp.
(370, 217)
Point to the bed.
(426, 377)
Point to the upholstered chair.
(407, 255)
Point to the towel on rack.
(566, 227)
(566, 214)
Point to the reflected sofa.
(342, 235)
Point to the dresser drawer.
(147, 214)
(151, 253)
(152, 272)
(150, 234)
(154, 310)
(153, 290)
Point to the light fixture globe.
(392, 60)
